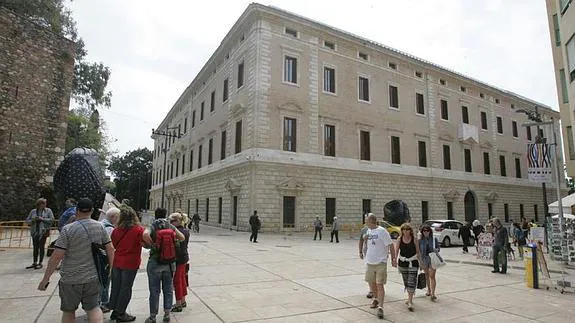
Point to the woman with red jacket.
(182, 258)
(127, 240)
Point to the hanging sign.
(539, 160)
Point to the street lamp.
(167, 135)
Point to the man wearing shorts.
(379, 246)
(79, 281)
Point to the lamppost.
(167, 135)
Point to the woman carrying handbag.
(408, 261)
(428, 245)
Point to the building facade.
(561, 17)
(36, 73)
(295, 119)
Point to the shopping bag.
(421, 284)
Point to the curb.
(464, 262)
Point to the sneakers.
(177, 309)
(125, 318)
(380, 313)
(166, 317)
(374, 304)
(32, 266)
(369, 295)
(151, 319)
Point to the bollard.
(531, 266)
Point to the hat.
(85, 205)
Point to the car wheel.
(446, 242)
(394, 235)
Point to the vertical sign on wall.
(539, 160)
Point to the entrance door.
(235, 211)
(470, 207)
(366, 208)
(329, 210)
(289, 212)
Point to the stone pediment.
(451, 196)
(233, 185)
(237, 109)
(491, 196)
(446, 137)
(290, 106)
(290, 185)
(486, 144)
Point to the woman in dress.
(427, 245)
(408, 261)
(40, 220)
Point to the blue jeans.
(122, 282)
(105, 291)
(160, 278)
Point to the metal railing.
(16, 234)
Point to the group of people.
(410, 255)
(120, 237)
(318, 227)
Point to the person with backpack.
(255, 225)
(519, 238)
(182, 258)
(161, 238)
(109, 222)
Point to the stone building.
(295, 119)
(561, 17)
(36, 72)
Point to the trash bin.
(531, 265)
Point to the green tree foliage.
(85, 129)
(133, 176)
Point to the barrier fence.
(16, 234)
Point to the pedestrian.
(161, 238)
(69, 214)
(501, 239)
(40, 220)
(363, 248)
(79, 282)
(379, 246)
(109, 221)
(519, 238)
(127, 239)
(408, 261)
(255, 225)
(525, 227)
(182, 258)
(427, 245)
(465, 235)
(335, 230)
(317, 227)
(477, 229)
(196, 222)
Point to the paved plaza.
(295, 279)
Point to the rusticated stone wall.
(36, 74)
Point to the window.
(444, 110)
(213, 101)
(489, 210)
(207, 210)
(200, 156)
(329, 45)
(462, 89)
(198, 206)
(220, 213)
(364, 89)
(240, 74)
(366, 208)
(363, 56)
(238, 143)
(290, 69)
(329, 79)
(486, 164)
(570, 50)
(446, 157)
(329, 140)
(422, 152)
(536, 212)
(464, 115)
(556, 30)
(499, 125)
(564, 5)
(193, 119)
(185, 124)
(223, 146)
(564, 91)
(395, 150)
(514, 129)
(467, 157)
(506, 212)
(570, 143)
(518, 168)
(177, 167)
(442, 81)
(424, 211)
(225, 91)
(171, 170)
(191, 160)
(210, 151)
(364, 146)
(290, 134)
(481, 95)
(291, 32)
(483, 120)
(450, 210)
(391, 65)
(202, 110)
(419, 106)
(418, 74)
(183, 164)
(503, 169)
(528, 133)
(497, 101)
(393, 97)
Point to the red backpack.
(166, 246)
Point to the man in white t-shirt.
(379, 246)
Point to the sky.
(155, 48)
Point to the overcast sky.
(156, 48)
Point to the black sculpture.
(396, 212)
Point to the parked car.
(446, 232)
(394, 230)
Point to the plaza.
(291, 278)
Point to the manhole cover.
(283, 246)
(199, 241)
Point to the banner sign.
(539, 160)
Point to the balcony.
(467, 133)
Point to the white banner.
(539, 160)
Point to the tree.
(133, 176)
(85, 130)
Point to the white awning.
(567, 201)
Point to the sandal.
(428, 294)
(177, 309)
(369, 295)
(433, 298)
(374, 304)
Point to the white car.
(446, 231)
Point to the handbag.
(436, 259)
(421, 283)
(100, 257)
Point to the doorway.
(289, 212)
(470, 207)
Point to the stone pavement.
(295, 279)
